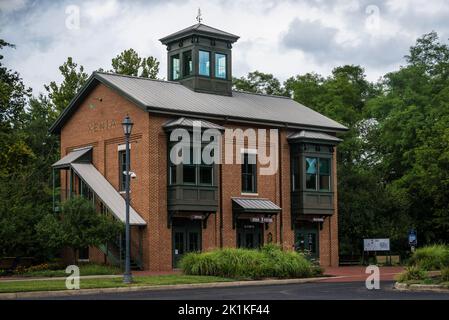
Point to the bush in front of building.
(268, 262)
(412, 273)
(433, 257)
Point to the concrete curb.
(65, 293)
(420, 287)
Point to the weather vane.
(198, 17)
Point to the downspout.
(53, 177)
(221, 204)
(281, 237)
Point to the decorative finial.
(198, 17)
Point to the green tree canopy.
(259, 82)
(78, 226)
(74, 78)
(130, 63)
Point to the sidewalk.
(357, 273)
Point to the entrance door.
(249, 234)
(186, 238)
(307, 241)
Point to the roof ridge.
(177, 82)
(263, 94)
(135, 77)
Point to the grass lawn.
(43, 285)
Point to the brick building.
(182, 207)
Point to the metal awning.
(313, 136)
(107, 193)
(254, 205)
(75, 155)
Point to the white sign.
(376, 244)
(261, 219)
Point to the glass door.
(186, 238)
(306, 241)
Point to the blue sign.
(412, 238)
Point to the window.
(318, 174)
(204, 63)
(83, 254)
(311, 173)
(325, 176)
(189, 173)
(122, 169)
(249, 171)
(206, 174)
(175, 67)
(172, 174)
(220, 65)
(188, 63)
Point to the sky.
(284, 37)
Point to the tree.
(74, 79)
(78, 226)
(130, 63)
(258, 82)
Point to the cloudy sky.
(281, 37)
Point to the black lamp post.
(127, 128)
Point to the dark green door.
(186, 238)
(249, 235)
(307, 241)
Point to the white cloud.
(281, 37)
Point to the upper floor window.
(220, 65)
(175, 67)
(204, 63)
(318, 174)
(188, 63)
(249, 173)
(122, 169)
(191, 173)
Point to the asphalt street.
(354, 290)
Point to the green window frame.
(318, 173)
(187, 63)
(249, 173)
(204, 63)
(122, 168)
(175, 65)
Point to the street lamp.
(127, 128)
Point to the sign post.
(412, 240)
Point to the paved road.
(306, 291)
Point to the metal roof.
(190, 123)
(168, 97)
(107, 193)
(254, 205)
(313, 135)
(71, 157)
(200, 29)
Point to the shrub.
(412, 274)
(269, 261)
(433, 257)
(445, 274)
